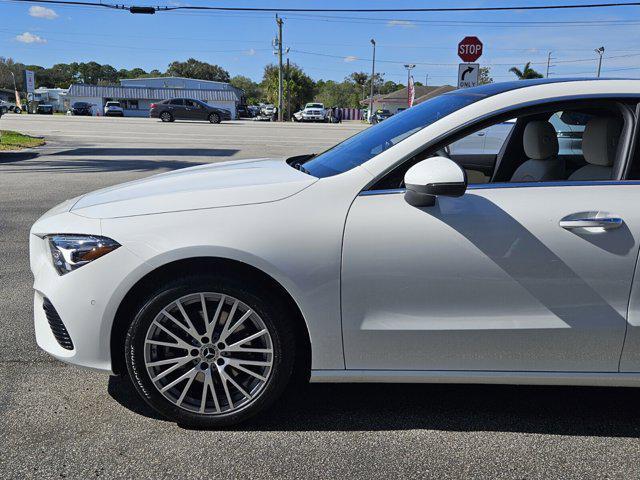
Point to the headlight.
(69, 252)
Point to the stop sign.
(470, 49)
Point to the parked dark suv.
(81, 108)
(187, 109)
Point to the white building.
(50, 96)
(137, 94)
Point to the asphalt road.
(60, 421)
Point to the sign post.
(29, 85)
(469, 50)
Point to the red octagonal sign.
(470, 49)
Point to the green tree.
(301, 87)
(390, 86)
(252, 92)
(341, 94)
(193, 68)
(8, 66)
(526, 73)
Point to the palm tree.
(526, 73)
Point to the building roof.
(400, 96)
(142, 79)
(433, 93)
(151, 93)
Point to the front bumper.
(313, 118)
(86, 299)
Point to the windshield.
(314, 105)
(367, 144)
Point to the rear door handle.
(590, 221)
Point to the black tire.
(214, 118)
(273, 313)
(166, 117)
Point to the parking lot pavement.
(61, 421)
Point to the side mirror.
(431, 177)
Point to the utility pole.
(426, 80)
(409, 67)
(373, 75)
(548, 64)
(288, 89)
(600, 52)
(280, 83)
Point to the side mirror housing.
(431, 177)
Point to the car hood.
(205, 186)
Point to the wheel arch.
(136, 295)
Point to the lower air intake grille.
(56, 325)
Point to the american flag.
(411, 92)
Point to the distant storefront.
(137, 95)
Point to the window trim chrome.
(492, 186)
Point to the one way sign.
(468, 75)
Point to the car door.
(176, 106)
(193, 110)
(489, 281)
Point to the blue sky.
(330, 46)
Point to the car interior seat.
(599, 147)
(540, 142)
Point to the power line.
(348, 10)
(577, 60)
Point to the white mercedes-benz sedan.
(387, 258)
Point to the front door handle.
(590, 221)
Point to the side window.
(191, 104)
(478, 151)
(582, 143)
(177, 101)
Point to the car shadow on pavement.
(99, 166)
(10, 157)
(574, 411)
(144, 152)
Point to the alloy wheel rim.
(208, 353)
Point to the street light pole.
(373, 75)
(409, 67)
(288, 90)
(600, 52)
(280, 82)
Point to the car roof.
(491, 89)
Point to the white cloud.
(401, 23)
(350, 58)
(27, 37)
(42, 12)
(251, 52)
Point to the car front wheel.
(214, 118)
(208, 351)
